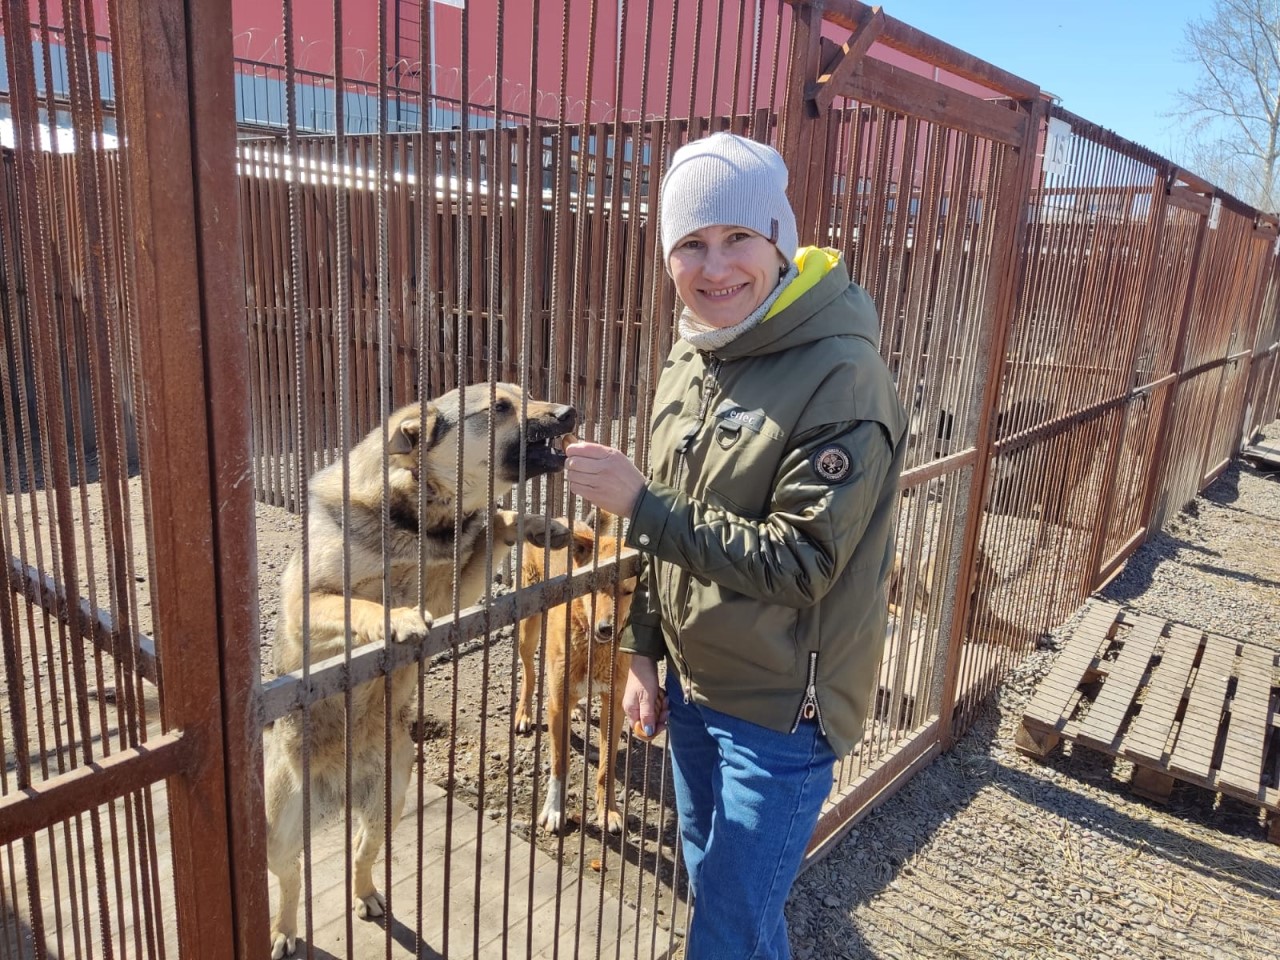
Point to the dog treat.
(638, 729)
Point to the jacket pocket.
(735, 636)
(738, 466)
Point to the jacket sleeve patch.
(832, 463)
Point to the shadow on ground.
(850, 896)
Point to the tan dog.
(921, 586)
(594, 624)
(423, 490)
(985, 580)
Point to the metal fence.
(195, 324)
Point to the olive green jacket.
(767, 524)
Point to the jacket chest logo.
(732, 413)
(731, 419)
(832, 463)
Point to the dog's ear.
(583, 545)
(404, 438)
(603, 522)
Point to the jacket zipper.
(809, 708)
(709, 384)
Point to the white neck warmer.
(706, 337)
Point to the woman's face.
(722, 273)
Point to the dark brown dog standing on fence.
(421, 452)
(594, 622)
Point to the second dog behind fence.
(582, 657)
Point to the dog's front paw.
(610, 820)
(283, 943)
(552, 818)
(409, 626)
(505, 526)
(523, 722)
(538, 530)
(543, 531)
(370, 905)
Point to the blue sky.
(1114, 62)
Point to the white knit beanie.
(727, 180)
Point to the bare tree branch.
(1233, 110)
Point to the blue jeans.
(748, 799)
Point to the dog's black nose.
(566, 415)
(604, 629)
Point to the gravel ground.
(989, 854)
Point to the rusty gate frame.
(846, 71)
(180, 174)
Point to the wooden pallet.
(1180, 703)
(1263, 455)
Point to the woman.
(765, 528)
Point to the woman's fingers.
(643, 701)
(604, 476)
(653, 717)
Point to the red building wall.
(715, 31)
(569, 27)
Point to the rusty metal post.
(1011, 222)
(179, 122)
(795, 135)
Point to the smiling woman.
(728, 231)
(764, 532)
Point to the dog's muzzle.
(543, 437)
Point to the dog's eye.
(504, 405)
